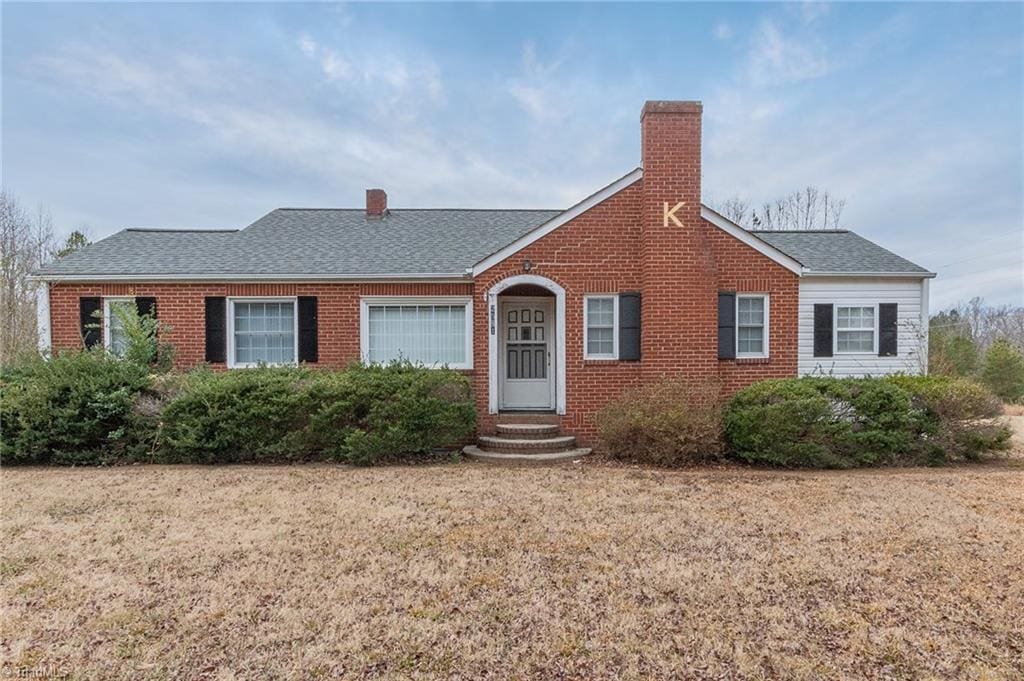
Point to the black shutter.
(91, 323)
(887, 330)
(146, 306)
(307, 329)
(629, 326)
(823, 330)
(216, 330)
(726, 325)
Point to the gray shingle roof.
(839, 251)
(301, 241)
(298, 242)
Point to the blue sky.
(208, 116)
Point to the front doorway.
(526, 358)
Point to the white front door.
(526, 359)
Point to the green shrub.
(142, 334)
(1003, 371)
(75, 407)
(669, 423)
(821, 422)
(359, 415)
(371, 412)
(959, 417)
(846, 423)
(251, 415)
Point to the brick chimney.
(679, 279)
(376, 203)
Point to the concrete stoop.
(526, 443)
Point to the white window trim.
(615, 327)
(364, 322)
(108, 315)
(232, 364)
(764, 345)
(835, 329)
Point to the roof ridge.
(481, 210)
(179, 229)
(800, 231)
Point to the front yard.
(467, 571)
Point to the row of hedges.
(808, 422)
(87, 407)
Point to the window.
(752, 326)
(600, 322)
(114, 339)
(855, 328)
(427, 331)
(262, 331)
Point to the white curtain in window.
(421, 334)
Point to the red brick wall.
(742, 269)
(181, 306)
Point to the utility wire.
(982, 241)
(977, 257)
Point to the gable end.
(557, 221)
(759, 245)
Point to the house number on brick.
(670, 214)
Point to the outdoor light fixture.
(527, 265)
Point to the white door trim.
(492, 336)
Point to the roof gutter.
(905, 275)
(426, 277)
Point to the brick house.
(551, 312)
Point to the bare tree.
(808, 209)
(736, 209)
(26, 242)
(983, 324)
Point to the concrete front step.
(477, 454)
(528, 417)
(490, 443)
(527, 431)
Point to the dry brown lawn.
(1013, 409)
(467, 571)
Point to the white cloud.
(777, 59)
(541, 90)
(723, 31)
(810, 11)
(396, 79)
(307, 45)
(251, 124)
(334, 67)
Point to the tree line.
(27, 241)
(980, 341)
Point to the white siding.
(909, 294)
(43, 316)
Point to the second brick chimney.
(376, 203)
